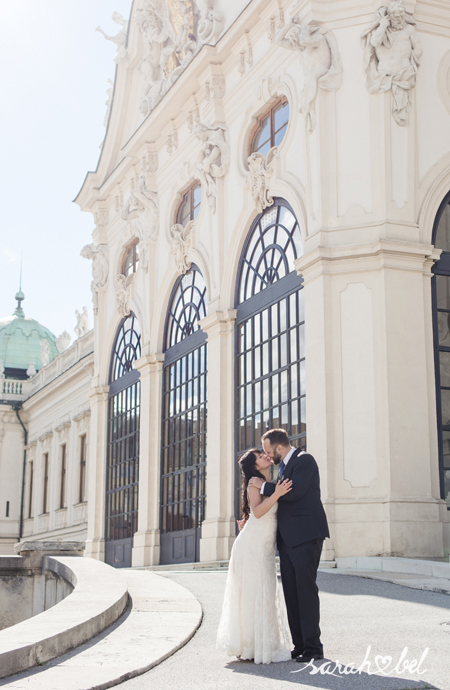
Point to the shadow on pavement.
(325, 674)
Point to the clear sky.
(54, 70)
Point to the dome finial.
(19, 296)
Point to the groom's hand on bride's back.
(256, 481)
(241, 524)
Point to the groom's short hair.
(276, 437)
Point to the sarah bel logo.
(381, 665)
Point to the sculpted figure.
(45, 353)
(123, 284)
(31, 371)
(213, 158)
(179, 246)
(261, 169)
(2, 369)
(392, 53)
(82, 326)
(143, 204)
(100, 268)
(320, 58)
(119, 39)
(62, 341)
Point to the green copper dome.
(20, 343)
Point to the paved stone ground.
(356, 613)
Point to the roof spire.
(18, 311)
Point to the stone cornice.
(366, 257)
(149, 364)
(98, 394)
(83, 415)
(218, 323)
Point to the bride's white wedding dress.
(254, 620)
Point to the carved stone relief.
(119, 39)
(392, 53)
(123, 288)
(100, 268)
(143, 206)
(44, 353)
(213, 159)
(173, 33)
(82, 326)
(320, 59)
(261, 169)
(180, 244)
(214, 88)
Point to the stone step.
(208, 565)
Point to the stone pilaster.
(96, 472)
(146, 539)
(218, 529)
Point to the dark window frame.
(134, 251)
(82, 477)
(63, 471)
(189, 193)
(45, 484)
(271, 113)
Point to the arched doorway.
(122, 462)
(270, 341)
(184, 421)
(441, 326)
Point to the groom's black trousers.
(298, 566)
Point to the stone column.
(218, 529)
(96, 472)
(371, 409)
(146, 539)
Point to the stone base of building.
(95, 548)
(217, 539)
(146, 548)
(7, 546)
(388, 527)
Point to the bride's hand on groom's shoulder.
(256, 481)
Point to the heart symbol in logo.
(383, 662)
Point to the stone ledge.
(412, 566)
(99, 598)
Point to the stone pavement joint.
(163, 616)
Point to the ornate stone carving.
(101, 217)
(63, 341)
(173, 32)
(143, 205)
(63, 431)
(82, 326)
(119, 201)
(214, 88)
(82, 420)
(180, 244)
(45, 352)
(172, 142)
(100, 268)
(193, 118)
(108, 102)
(213, 159)
(45, 440)
(31, 371)
(320, 58)
(123, 286)
(261, 169)
(2, 369)
(119, 39)
(392, 53)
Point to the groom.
(302, 528)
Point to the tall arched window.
(270, 340)
(183, 457)
(441, 323)
(122, 462)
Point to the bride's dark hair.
(247, 465)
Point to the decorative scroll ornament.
(213, 159)
(119, 39)
(143, 205)
(392, 53)
(100, 268)
(261, 169)
(320, 59)
(123, 287)
(173, 33)
(180, 244)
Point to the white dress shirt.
(286, 460)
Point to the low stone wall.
(73, 599)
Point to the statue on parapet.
(119, 39)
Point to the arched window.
(270, 343)
(122, 462)
(183, 458)
(131, 260)
(441, 319)
(271, 128)
(190, 205)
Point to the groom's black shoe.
(296, 652)
(306, 658)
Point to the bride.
(254, 624)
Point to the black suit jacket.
(301, 516)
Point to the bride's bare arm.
(261, 507)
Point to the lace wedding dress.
(254, 620)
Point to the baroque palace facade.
(271, 248)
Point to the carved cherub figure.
(144, 205)
(261, 168)
(213, 158)
(179, 246)
(392, 53)
(320, 58)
